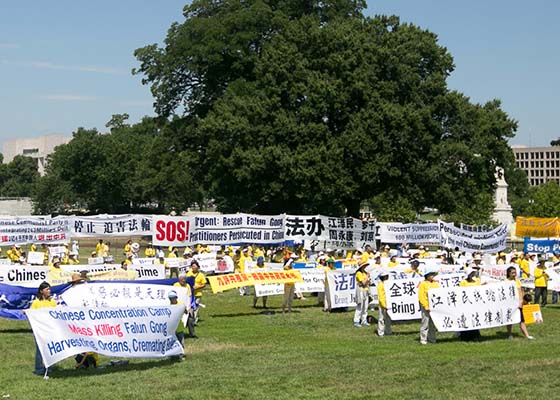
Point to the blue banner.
(541, 246)
(14, 299)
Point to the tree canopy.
(308, 106)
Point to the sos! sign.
(171, 231)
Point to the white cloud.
(62, 67)
(67, 97)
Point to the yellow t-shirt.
(361, 280)
(199, 280)
(381, 294)
(392, 264)
(42, 303)
(524, 266)
(423, 288)
(540, 277)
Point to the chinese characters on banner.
(219, 283)
(114, 225)
(121, 294)
(348, 233)
(26, 230)
(342, 288)
(402, 299)
(474, 307)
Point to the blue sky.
(65, 64)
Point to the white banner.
(554, 278)
(27, 230)
(218, 229)
(140, 332)
(474, 307)
(409, 233)
(113, 225)
(313, 280)
(121, 294)
(347, 232)
(207, 262)
(402, 299)
(36, 258)
(484, 242)
(342, 288)
(23, 275)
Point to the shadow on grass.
(266, 312)
(19, 330)
(110, 369)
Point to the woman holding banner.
(470, 280)
(511, 274)
(42, 300)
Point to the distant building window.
(28, 152)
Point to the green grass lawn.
(243, 353)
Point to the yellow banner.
(537, 227)
(219, 283)
(532, 314)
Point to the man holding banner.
(427, 329)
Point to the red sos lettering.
(172, 230)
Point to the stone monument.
(502, 209)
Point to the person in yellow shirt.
(289, 288)
(244, 257)
(384, 321)
(422, 253)
(427, 327)
(32, 247)
(14, 253)
(327, 294)
(501, 258)
(100, 248)
(362, 296)
(511, 275)
(199, 284)
(386, 251)
(127, 247)
(182, 282)
(471, 279)
(260, 264)
(393, 262)
(86, 360)
(523, 263)
(42, 300)
(128, 261)
(413, 270)
(541, 283)
(150, 252)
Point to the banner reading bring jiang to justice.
(142, 332)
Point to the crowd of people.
(373, 268)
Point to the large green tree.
(309, 106)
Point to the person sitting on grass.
(86, 360)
